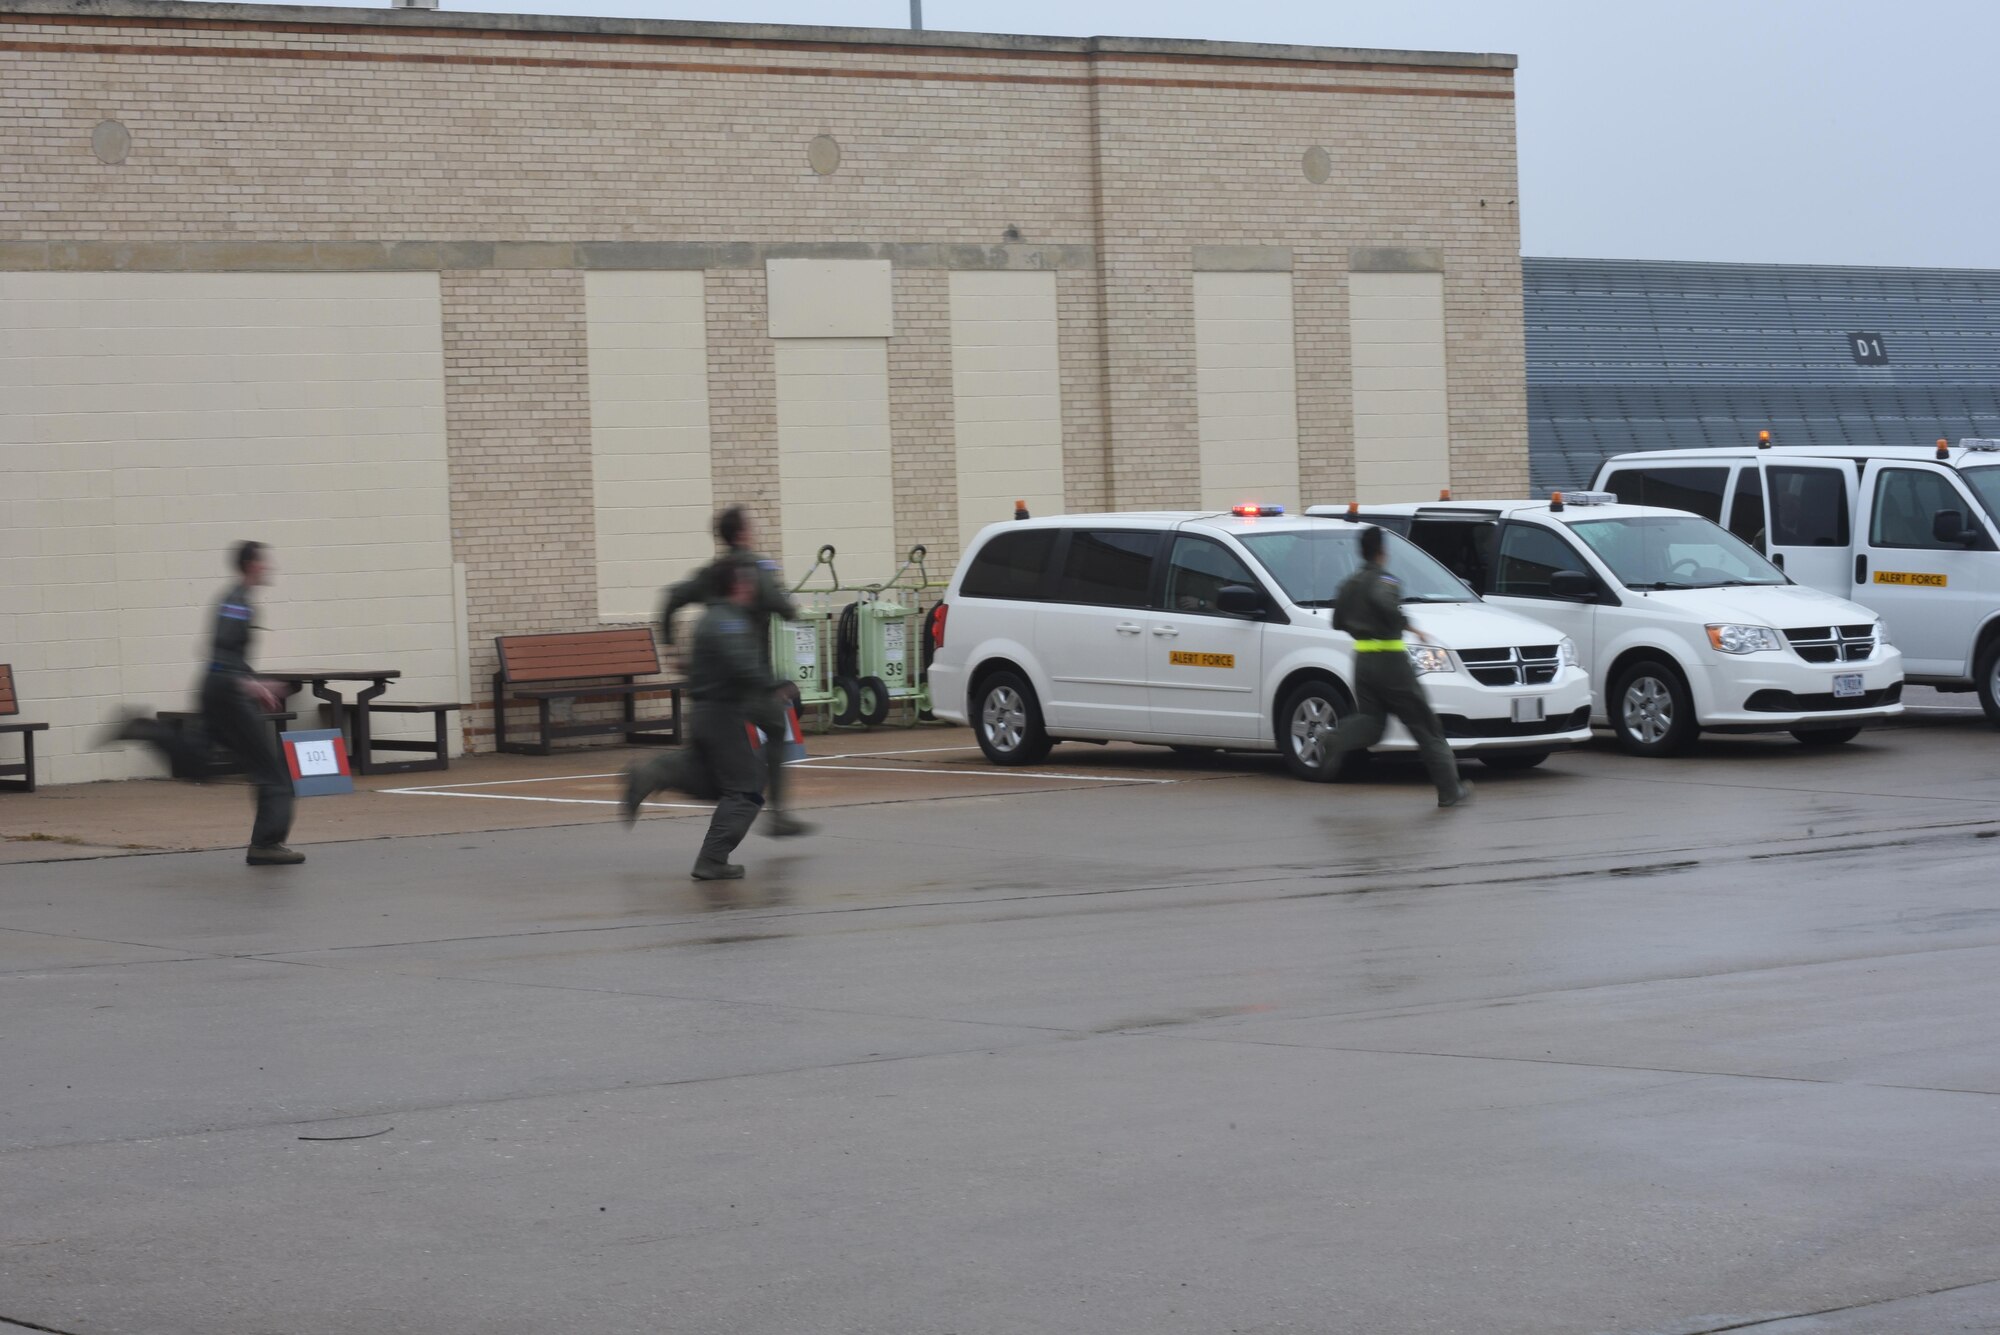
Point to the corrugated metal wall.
(1637, 355)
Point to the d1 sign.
(318, 761)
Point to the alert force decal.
(1909, 577)
(1202, 660)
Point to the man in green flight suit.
(733, 531)
(1369, 606)
(729, 678)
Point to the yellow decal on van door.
(1907, 577)
(1202, 660)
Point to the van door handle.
(1166, 632)
(1861, 569)
(1128, 628)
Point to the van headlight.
(1430, 658)
(1566, 654)
(1882, 637)
(1744, 639)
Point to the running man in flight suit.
(729, 677)
(1369, 606)
(233, 702)
(771, 714)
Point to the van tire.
(1305, 724)
(1652, 710)
(1988, 673)
(1007, 720)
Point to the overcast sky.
(1803, 131)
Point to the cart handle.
(825, 558)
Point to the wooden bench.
(581, 665)
(10, 704)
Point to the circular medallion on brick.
(111, 141)
(824, 154)
(1317, 165)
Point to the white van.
(1207, 631)
(1682, 626)
(1908, 532)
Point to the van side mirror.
(1572, 584)
(1242, 600)
(1950, 526)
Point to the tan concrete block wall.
(743, 402)
(1085, 424)
(517, 410)
(920, 426)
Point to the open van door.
(1923, 559)
(1810, 503)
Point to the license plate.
(1847, 685)
(1530, 709)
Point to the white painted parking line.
(809, 763)
(522, 797)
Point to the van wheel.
(1652, 713)
(1825, 736)
(1512, 760)
(1305, 729)
(1989, 680)
(874, 700)
(1008, 721)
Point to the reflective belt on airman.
(1378, 646)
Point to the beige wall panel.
(1006, 381)
(833, 455)
(1246, 391)
(149, 421)
(830, 298)
(649, 442)
(1402, 448)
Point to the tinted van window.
(1108, 567)
(1808, 506)
(1010, 566)
(1746, 512)
(1529, 559)
(1696, 490)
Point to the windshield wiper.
(1431, 598)
(1657, 585)
(1312, 602)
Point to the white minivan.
(1912, 533)
(1213, 631)
(1682, 626)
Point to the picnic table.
(354, 718)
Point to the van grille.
(1832, 644)
(1515, 665)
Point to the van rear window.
(1010, 566)
(1696, 490)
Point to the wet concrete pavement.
(1627, 1046)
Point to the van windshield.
(1310, 564)
(1985, 484)
(1674, 552)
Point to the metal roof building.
(1646, 355)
